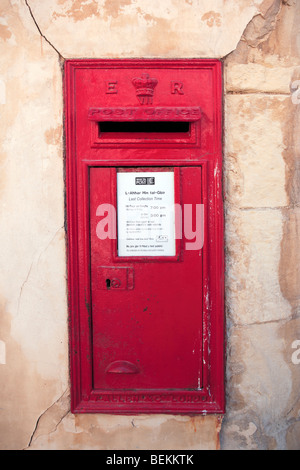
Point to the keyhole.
(108, 283)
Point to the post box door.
(146, 294)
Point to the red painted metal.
(146, 333)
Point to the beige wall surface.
(259, 43)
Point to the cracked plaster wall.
(259, 42)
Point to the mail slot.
(145, 235)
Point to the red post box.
(145, 235)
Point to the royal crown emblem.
(144, 87)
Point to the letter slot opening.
(143, 127)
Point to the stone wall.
(259, 42)
(261, 162)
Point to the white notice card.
(146, 220)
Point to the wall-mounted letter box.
(145, 231)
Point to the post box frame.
(84, 399)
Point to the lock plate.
(115, 278)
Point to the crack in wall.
(239, 326)
(49, 243)
(256, 92)
(231, 205)
(39, 30)
(44, 415)
(261, 26)
(30, 269)
(22, 287)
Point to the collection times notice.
(146, 220)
